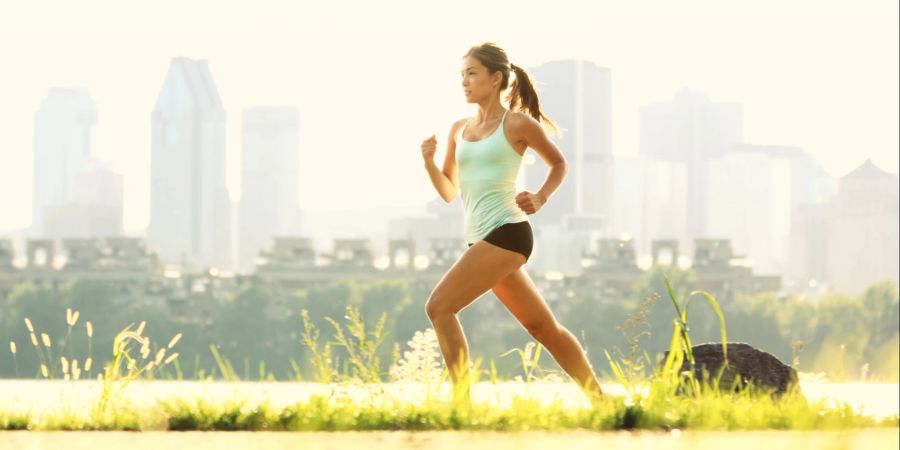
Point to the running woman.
(483, 157)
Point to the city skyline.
(839, 141)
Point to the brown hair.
(522, 96)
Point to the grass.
(112, 379)
(666, 399)
(106, 412)
(669, 378)
(706, 411)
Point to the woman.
(482, 161)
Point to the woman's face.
(477, 84)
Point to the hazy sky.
(372, 79)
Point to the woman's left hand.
(529, 202)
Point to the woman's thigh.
(477, 270)
(521, 297)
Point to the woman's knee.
(436, 306)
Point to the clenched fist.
(428, 148)
(529, 202)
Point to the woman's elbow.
(449, 198)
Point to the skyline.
(854, 125)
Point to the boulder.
(746, 363)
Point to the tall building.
(691, 129)
(863, 226)
(808, 248)
(73, 194)
(94, 208)
(270, 145)
(809, 181)
(749, 202)
(577, 96)
(650, 201)
(808, 190)
(190, 210)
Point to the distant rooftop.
(868, 170)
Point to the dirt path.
(452, 440)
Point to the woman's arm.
(531, 131)
(445, 181)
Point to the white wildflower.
(422, 362)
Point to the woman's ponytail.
(523, 96)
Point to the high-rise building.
(808, 188)
(74, 195)
(808, 248)
(190, 218)
(749, 202)
(863, 226)
(270, 145)
(94, 208)
(691, 129)
(650, 201)
(577, 96)
(811, 191)
(809, 181)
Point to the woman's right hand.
(429, 146)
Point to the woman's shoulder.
(520, 125)
(520, 119)
(457, 126)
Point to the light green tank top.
(487, 182)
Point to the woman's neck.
(488, 113)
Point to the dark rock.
(745, 363)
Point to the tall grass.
(69, 368)
(362, 352)
(114, 380)
(529, 357)
(669, 379)
(668, 398)
(329, 412)
(323, 360)
(115, 375)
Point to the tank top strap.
(459, 133)
(462, 128)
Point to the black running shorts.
(515, 236)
